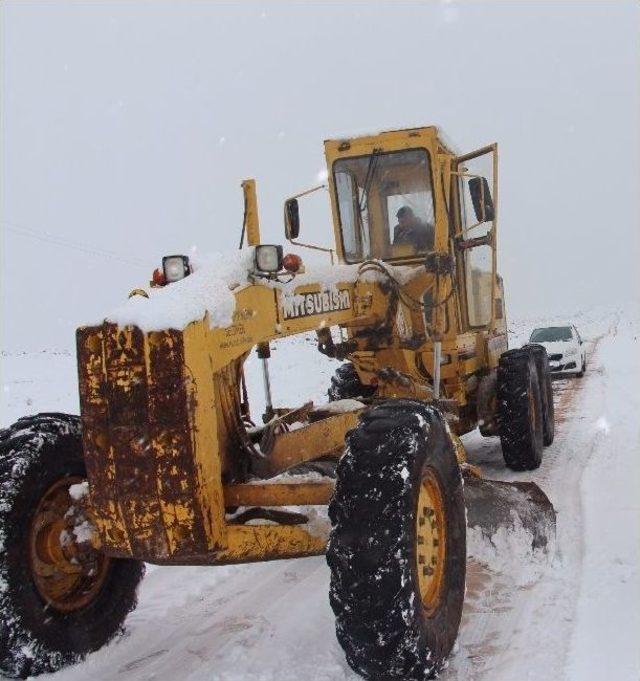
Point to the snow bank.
(604, 641)
(509, 552)
(341, 406)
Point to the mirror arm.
(473, 226)
(465, 173)
(465, 245)
(330, 251)
(308, 191)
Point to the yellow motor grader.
(165, 464)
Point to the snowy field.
(573, 616)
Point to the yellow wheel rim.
(66, 575)
(430, 541)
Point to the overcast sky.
(128, 127)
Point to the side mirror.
(291, 219)
(481, 199)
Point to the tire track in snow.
(266, 621)
(520, 632)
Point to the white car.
(565, 348)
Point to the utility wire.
(46, 237)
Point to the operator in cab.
(412, 231)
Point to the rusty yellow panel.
(134, 473)
(312, 307)
(284, 494)
(254, 543)
(174, 488)
(136, 490)
(91, 372)
(171, 444)
(252, 223)
(263, 313)
(461, 454)
(390, 140)
(320, 438)
(470, 366)
(496, 345)
(254, 320)
(203, 415)
(98, 454)
(403, 361)
(149, 439)
(450, 368)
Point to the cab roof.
(402, 134)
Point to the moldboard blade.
(492, 505)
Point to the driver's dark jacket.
(418, 234)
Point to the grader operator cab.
(166, 466)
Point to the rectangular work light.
(268, 259)
(175, 267)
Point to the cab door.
(476, 190)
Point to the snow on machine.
(165, 465)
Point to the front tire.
(397, 551)
(54, 608)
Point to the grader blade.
(493, 505)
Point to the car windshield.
(551, 334)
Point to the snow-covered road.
(573, 617)
(578, 619)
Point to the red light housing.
(292, 262)
(158, 278)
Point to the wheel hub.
(67, 575)
(430, 541)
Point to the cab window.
(479, 260)
(385, 204)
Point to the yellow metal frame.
(167, 453)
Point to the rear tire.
(38, 454)
(396, 592)
(520, 410)
(346, 385)
(546, 391)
